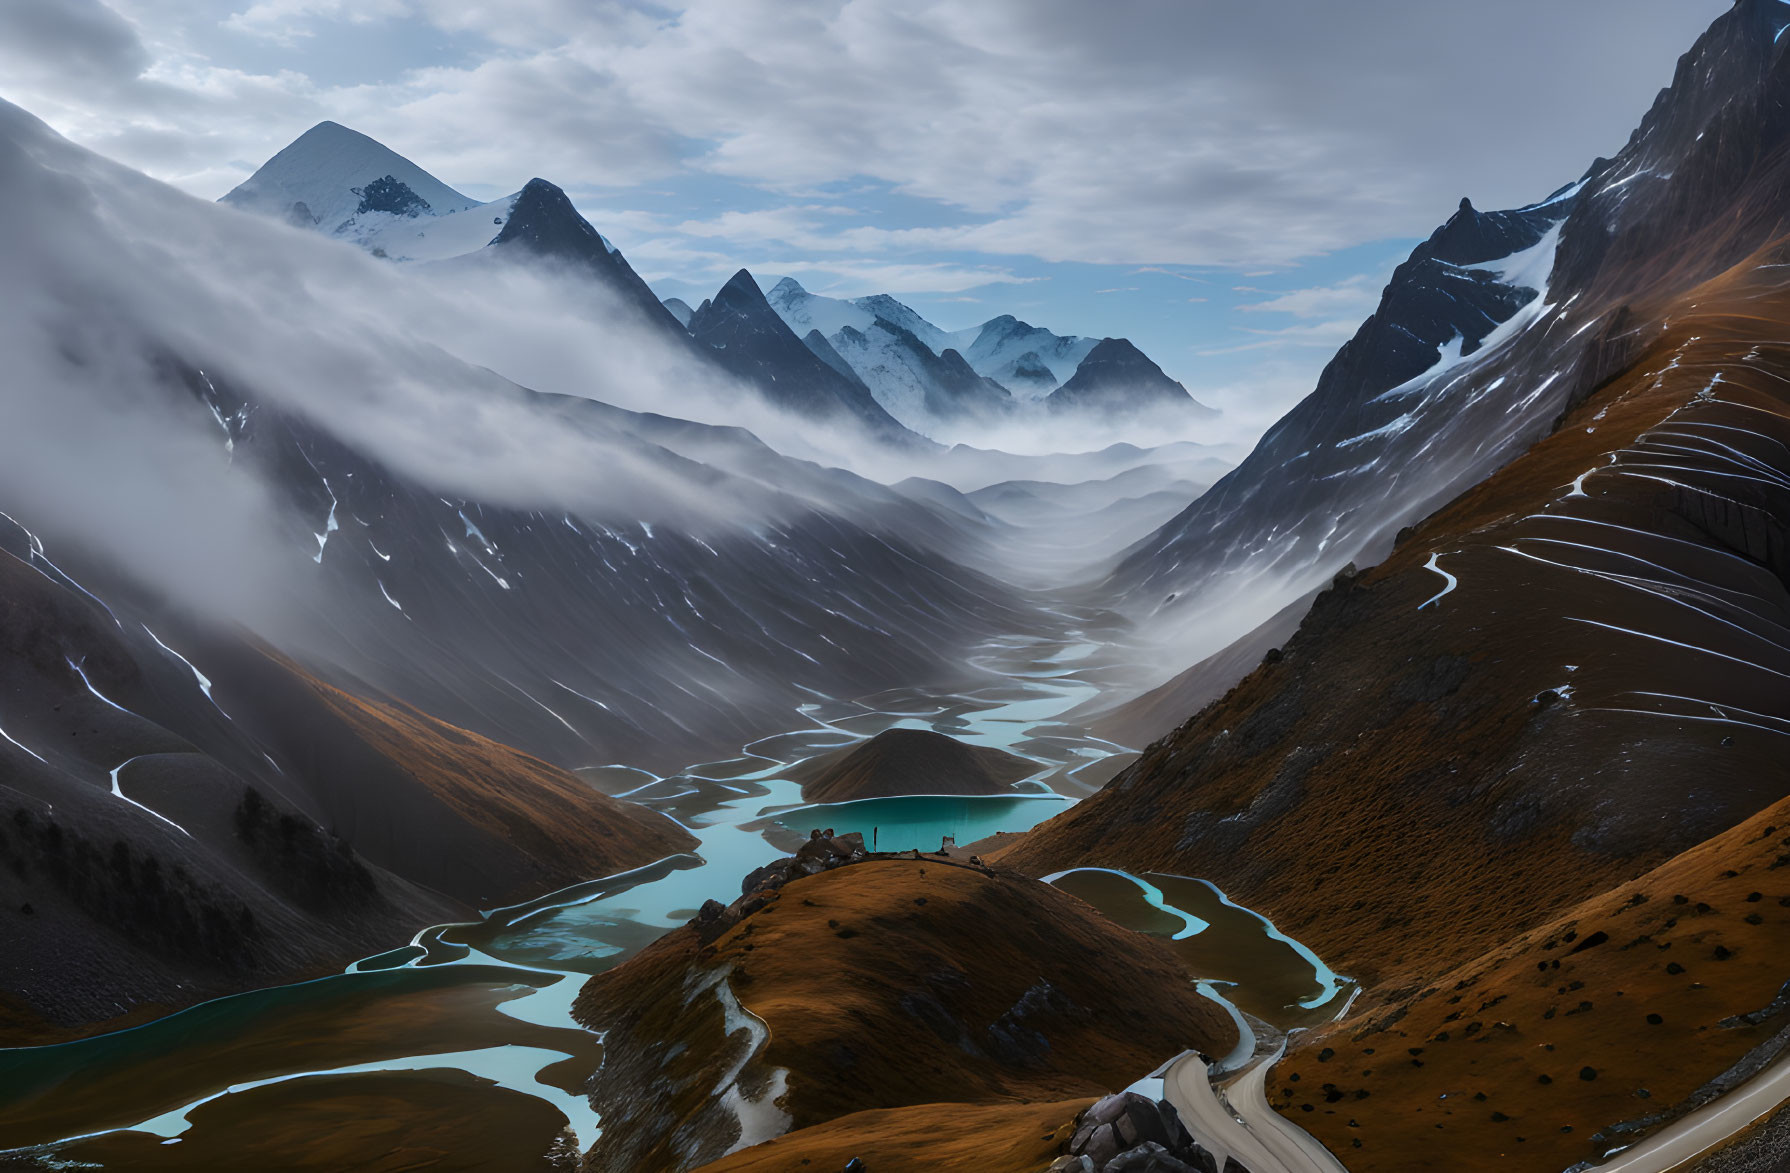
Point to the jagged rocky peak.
(750, 339)
(740, 297)
(1471, 237)
(1692, 168)
(806, 311)
(1002, 341)
(544, 224)
(742, 284)
(544, 219)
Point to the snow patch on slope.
(804, 311)
(432, 238)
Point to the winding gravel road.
(1240, 1124)
(1258, 1137)
(1702, 1130)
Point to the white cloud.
(1136, 132)
(283, 20)
(1355, 297)
(1325, 335)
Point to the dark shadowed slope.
(749, 340)
(1117, 378)
(1415, 407)
(544, 224)
(910, 761)
(169, 835)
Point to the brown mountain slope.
(159, 847)
(881, 985)
(1571, 675)
(989, 1138)
(1567, 1041)
(909, 761)
(524, 827)
(1421, 775)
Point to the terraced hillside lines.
(1630, 1009)
(1601, 689)
(882, 985)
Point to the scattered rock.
(823, 852)
(1130, 1133)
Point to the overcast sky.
(1228, 182)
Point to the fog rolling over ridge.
(320, 381)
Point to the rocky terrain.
(745, 336)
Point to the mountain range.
(1411, 794)
(886, 368)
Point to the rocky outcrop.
(1130, 1133)
(391, 195)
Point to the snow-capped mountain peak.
(805, 311)
(1003, 343)
(330, 174)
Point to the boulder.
(1148, 1158)
(1103, 1145)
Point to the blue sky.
(1227, 184)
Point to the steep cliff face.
(1421, 403)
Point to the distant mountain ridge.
(343, 184)
(872, 360)
(748, 338)
(931, 379)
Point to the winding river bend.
(460, 1046)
